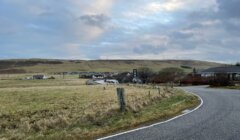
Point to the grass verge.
(158, 111)
(232, 87)
(229, 87)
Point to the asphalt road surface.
(217, 119)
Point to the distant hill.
(50, 66)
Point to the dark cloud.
(181, 35)
(100, 20)
(148, 49)
(229, 8)
(233, 27)
(194, 26)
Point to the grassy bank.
(67, 109)
(232, 87)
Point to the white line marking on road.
(145, 127)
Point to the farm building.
(39, 77)
(232, 72)
(102, 82)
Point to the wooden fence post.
(121, 98)
(149, 94)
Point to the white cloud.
(155, 39)
(163, 29)
(82, 29)
(211, 22)
(73, 51)
(85, 33)
(166, 6)
(92, 6)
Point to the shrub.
(186, 67)
(220, 80)
(51, 77)
(124, 77)
(194, 80)
(168, 75)
(145, 74)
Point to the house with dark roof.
(232, 72)
(39, 77)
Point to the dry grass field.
(68, 109)
(51, 66)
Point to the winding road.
(217, 119)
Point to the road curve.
(217, 119)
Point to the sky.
(121, 29)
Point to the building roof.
(102, 82)
(228, 69)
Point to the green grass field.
(68, 109)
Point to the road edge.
(159, 123)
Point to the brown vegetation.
(51, 66)
(63, 110)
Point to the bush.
(168, 75)
(194, 80)
(220, 80)
(124, 77)
(51, 77)
(186, 67)
(145, 74)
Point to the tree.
(170, 74)
(124, 77)
(145, 73)
(194, 71)
(221, 79)
(238, 64)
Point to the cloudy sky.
(121, 29)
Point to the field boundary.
(159, 123)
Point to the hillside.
(50, 66)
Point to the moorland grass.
(103, 65)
